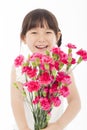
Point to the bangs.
(41, 22)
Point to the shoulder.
(13, 69)
(13, 73)
(17, 75)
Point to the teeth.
(41, 46)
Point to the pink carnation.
(45, 78)
(19, 60)
(32, 86)
(73, 61)
(56, 50)
(82, 53)
(71, 46)
(31, 72)
(35, 55)
(66, 79)
(63, 77)
(60, 76)
(46, 59)
(36, 100)
(56, 64)
(63, 58)
(64, 91)
(46, 89)
(45, 104)
(56, 101)
(53, 88)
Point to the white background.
(72, 18)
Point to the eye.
(48, 32)
(34, 32)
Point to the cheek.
(29, 42)
(29, 39)
(53, 41)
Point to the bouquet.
(47, 79)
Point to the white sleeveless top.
(55, 113)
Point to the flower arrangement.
(47, 79)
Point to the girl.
(40, 32)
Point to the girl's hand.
(26, 129)
(53, 126)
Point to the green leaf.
(79, 60)
(46, 66)
(23, 93)
(47, 53)
(69, 51)
(54, 72)
(55, 56)
(44, 94)
(26, 64)
(68, 67)
(35, 94)
(36, 62)
(15, 85)
(69, 59)
(61, 66)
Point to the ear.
(58, 35)
(23, 39)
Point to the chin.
(42, 51)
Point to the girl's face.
(40, 39)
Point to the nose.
(41, 38)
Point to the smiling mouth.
(41, 47)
